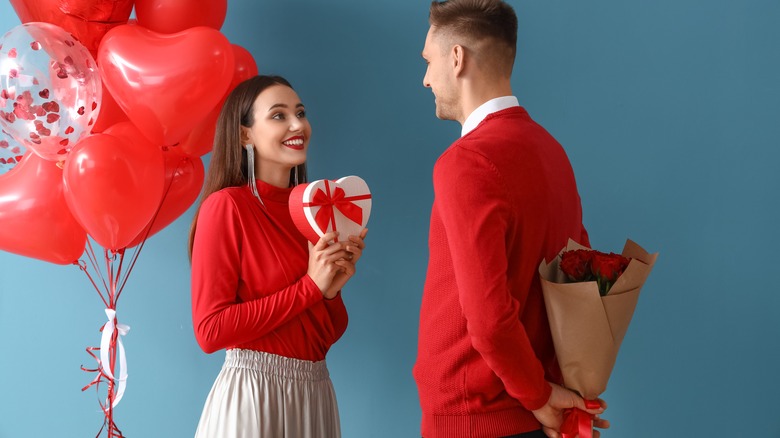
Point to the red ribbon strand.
(578, 423)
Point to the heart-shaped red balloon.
(34, 218)
(166, 83)
(113, 187)
(183, 181)
(200, 141)
(87, 20)
(110, 113)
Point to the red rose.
(581, 265)
(576, 264)
(607, 268)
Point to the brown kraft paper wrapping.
(587, 329)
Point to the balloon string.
(121, 253)
(113, 289)
(93, 260)
(110, 274)
(108, 421)
(148, 230)
(83, 267)
(113, 431)
(113, 272)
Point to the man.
(505, 198)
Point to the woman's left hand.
(355, 250)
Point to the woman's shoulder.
(228, 198)
(229, 192)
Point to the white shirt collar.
(487, 108)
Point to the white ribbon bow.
(105, 342)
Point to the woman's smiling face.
(281, 131)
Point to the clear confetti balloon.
(10, 152)
(50, 89)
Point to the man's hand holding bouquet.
(590, 298)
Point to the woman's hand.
(322, 262)
(354, 247)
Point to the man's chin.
(443, 115)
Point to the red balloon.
(183, 181)
(113, 187)
(166, 84)
(34, 218)
(245, 66)
(87, 20)
(130, 133)
(171, 16)
(110, 113)
(201, 139)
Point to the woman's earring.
(250, 164)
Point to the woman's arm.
(219, 320)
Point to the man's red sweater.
(505, 198)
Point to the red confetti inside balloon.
(51, 80)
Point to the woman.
(259, 289)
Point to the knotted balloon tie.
(105, 342)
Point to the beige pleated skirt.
(263, 395)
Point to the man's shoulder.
(508, 129)
(506, 123)
(462, 152)
(462, 161)
(501, 134)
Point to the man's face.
(439, 76)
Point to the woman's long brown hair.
(228, 167)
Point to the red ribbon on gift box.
(578, 423)
(327, 201)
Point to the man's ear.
(458, 58)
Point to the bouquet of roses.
(590, 298)
(582, 265)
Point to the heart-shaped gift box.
(322, 206)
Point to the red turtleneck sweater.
(249, 284)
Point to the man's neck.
(480, 113)
(478, 92)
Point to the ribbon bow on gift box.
(338, 199)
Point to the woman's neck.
(277, 176)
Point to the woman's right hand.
(322, 258)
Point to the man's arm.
(472, 203)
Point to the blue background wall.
(668, 110)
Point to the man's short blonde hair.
(478, 21)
